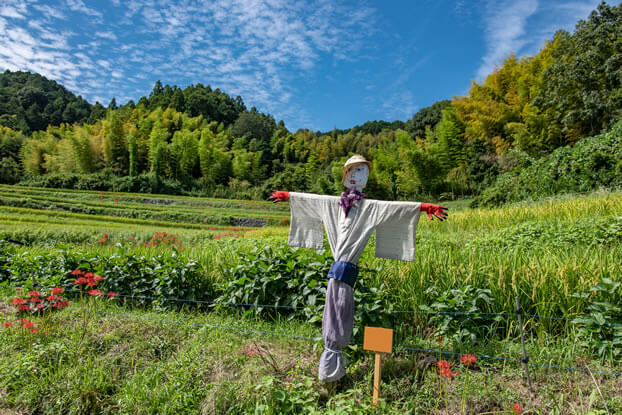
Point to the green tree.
(115, 146)
(256, 125)
(184, 155)
(582, 90)
(133, 155)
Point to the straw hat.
(354, 161)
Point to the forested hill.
(30, 102)
(201, 140)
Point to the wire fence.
(518, 312)
(303, 307)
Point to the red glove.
(279, 196)
(439, 211)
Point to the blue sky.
(315, 64)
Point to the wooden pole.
(377, 374)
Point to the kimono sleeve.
(306, 228)
(396, 229)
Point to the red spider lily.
(18, 301)
(251, 350)
(517, 408)
(97, 278)
(95, 293)
(112, 294)
(444, 364)
(34, 331)
(35, 300)
(52, 298)
(448, 373)
(57, 291)
(39, 306)
(89, 275)
(76, 272)
(7, 324)
(468, 359)
(23, 307)
(81, 280)
(34, 293)
(91, 282)
(27, 324)
(106, 235)
(60, 304)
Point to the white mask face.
(357, 177)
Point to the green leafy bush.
(601, 327)
(286, 278)
(462, 329)
(279, 277)
(592, 163)
(163, 276)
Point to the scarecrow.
(349, 221)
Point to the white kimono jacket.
(395, 224)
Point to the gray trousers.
(336, 329)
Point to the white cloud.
(14, 9)
(254, 48)
(79, 6)
(49, 12)
(399, 106)
(505, 30)
(106, 35)
(522, 27)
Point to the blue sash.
(344, 271)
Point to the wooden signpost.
(378, 340)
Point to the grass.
(543, 252)
(141, 361)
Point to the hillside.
(200, 140)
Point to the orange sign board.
(378, 339)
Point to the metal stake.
(519, 312)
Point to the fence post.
(525, 359)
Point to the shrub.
(462, 329)
(164, 276)
(601, 327)
(592, 163)
(294, 278)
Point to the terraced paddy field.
(51, 216)
(562, 258)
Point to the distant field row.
(148, 207)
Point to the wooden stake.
(377, 374)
